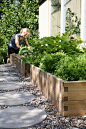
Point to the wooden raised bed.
(68, 97)
(13, 59)
(24, 68)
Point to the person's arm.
(27, 42)
(17, 42)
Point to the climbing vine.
(72, 23)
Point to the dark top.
(12, 42)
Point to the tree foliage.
(17, 15)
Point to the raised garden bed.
(68, 97)
(13, 59)
(24, 68)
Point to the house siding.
(44, 17)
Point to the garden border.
(69, 97)
(24, 68)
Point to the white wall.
(83, 21)
(63, 16)
(45, 19)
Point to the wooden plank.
(36, 73)
(22, 70)
(75, 90)
(74, 105)
(14, 59)
(27, 68)
(75, 86)
(46, 90)
(75, 108)
(33, 70)
(51, 93)
(52, 79)
(75, 113)
(33, 74)
(79, 95)
(43, 82)
(57, 92)
(61, 94)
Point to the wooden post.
(63, 16)
(83, 22)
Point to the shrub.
(37, 61)
(72, 68)
(49, 61)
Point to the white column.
(83, 21)
(44, 20)
(50, 18)
(63, 16)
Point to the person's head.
(25, 32)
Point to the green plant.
(72, 68)
(72, 23)
(49, 62)
(24, 51)
(15, 17)
(3, 54)
(64, 43)
(60, 55)
(51, 45)
(68, 44)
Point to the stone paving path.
(8, 79)
(13, 97)
(38, 113)
(10, 85)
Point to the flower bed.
(69, 97)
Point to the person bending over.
(17, 40)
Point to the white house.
(50, 17)
(45, 18)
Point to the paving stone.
(8, 79)
(5, 65)
(15, 98)
(15, 117)
(8, 74)
(4, 69)
(10, 85)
